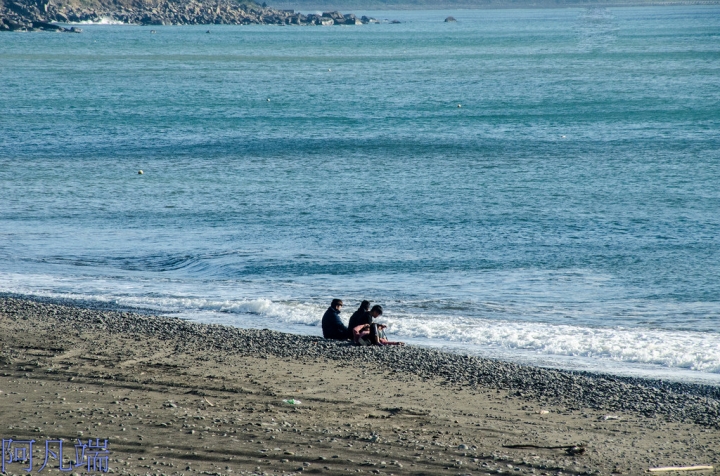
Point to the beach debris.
(292, 401)
(208, 402)
(544, 412)
(569, 449)
(680, 468)
(609, 417)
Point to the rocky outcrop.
(40, 14)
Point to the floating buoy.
(140, 172)
(329, 70)
(268, 99)
(459, 105)
(562, 137)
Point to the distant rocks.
(347, 19)
(17, 16)
(35, 15)
(23, 24)
(450, 19)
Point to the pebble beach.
(175, 397)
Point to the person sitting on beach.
(371, 334)
(375, 312)
(361, 316)
(332, 326)
(365, 316)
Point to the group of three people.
(361, 329)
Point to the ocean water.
(566, 215)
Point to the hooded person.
(361, 316)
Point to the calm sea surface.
(568, 214)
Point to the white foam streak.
(103, 21)
(672, 349)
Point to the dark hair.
(377, 308)
(336, 302)
(364, 306)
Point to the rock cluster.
(699, 404)
(17, 15)
(38, 15)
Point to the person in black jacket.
(363, 328)
(332, 326)
(361, 316)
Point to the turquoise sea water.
(568, 214)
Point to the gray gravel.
(694, 403)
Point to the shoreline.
(26, 15)
(458, 368)
(697, 385)
(176, 397)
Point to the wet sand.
(179, 398)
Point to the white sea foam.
(103, 21)
(671, 349)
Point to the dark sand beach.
(174, 397)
